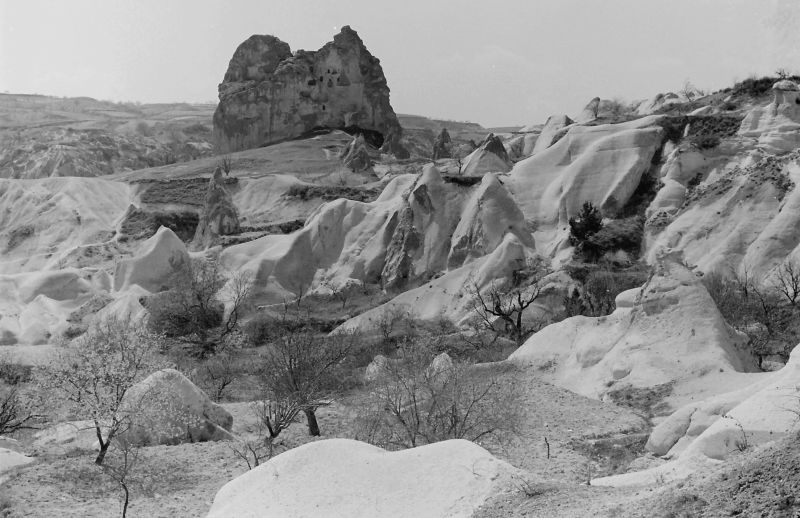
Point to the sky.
(512, 62)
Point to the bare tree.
(217, 373)
(301, 367)
(93, 375)
(493, 303)
(787, 280)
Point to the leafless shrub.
(272, 417)
(16, 413)
(415, 402)
(226, 163)
(787, 280)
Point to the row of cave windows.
(312, 82)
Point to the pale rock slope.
(776, 127)
(443, 480)
(667, 332)
(158, 259)
(43, 221)
(743, 215)
(490, 157)
(419, 226)
(736, 206)
(600, 164)
(710, 431)
(37, 306)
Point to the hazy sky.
(512, 62)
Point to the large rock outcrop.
(269, 94)
(341, 477)
(219, 216)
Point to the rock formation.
(777, 125)
(269, 94)
(441, 145)
(219, 216)
(356, 155)
(490, 157)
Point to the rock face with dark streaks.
(270, 94)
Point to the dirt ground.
(182, 480)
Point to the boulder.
(10, 459)
(175, 411)
(342, 477)
(269, 94)
(154, 266)
(219, 216)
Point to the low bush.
(704, 141)
(624, 234)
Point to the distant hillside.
(43, 136)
